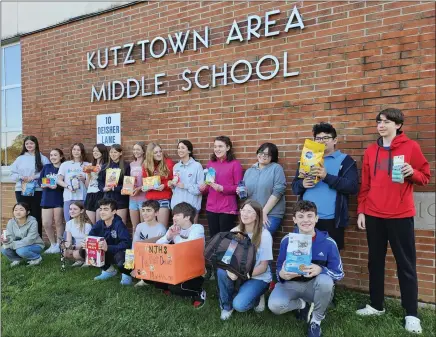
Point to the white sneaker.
(84, 265)
(369, 311)
(15, 263)
(49, 250)
(34, 262)
(261, 306)
(225, 314)
(413, 324)
(77, 264)
(56, 249)
(141, 284)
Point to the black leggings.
(220, 222)
(35, 206)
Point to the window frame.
(5, 170)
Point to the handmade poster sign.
(170, 264)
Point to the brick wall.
(354, 59)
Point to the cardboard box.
(170, 264)
(94, 255)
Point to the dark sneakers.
(305, 314)
(314, 330)
(200, 300)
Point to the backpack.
(232, 251)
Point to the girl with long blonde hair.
(156, 163)
(251, 292)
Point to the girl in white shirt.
(72, 178)
(76, 229)
(251, 292)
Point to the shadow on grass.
(43, 301)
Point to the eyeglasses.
(264, 154)
(323, 139)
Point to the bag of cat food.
(311, 156)
(112, 177)
(298, 253)
(128, 185)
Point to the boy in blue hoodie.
(117, 240)
(312, 292)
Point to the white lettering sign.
(109, 129)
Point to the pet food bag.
(298, 253)
(28, 188)
(94, 255)
(112, 177)
(150, 183)
(397, 176)
(209, 175)
(128, 185)
(75, 183)
(311, 156)
(129, 261)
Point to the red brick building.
(353, 59)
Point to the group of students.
(385, 210)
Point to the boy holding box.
(386, 210)
(316, 285)
(116, 241)
(184, 230)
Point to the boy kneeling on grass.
(312, 292)
(184, 230)
(117, 239)
(150, 230)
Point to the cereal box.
(94, 255)
(299, 253)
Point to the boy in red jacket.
(386, 210)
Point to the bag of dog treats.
(209, 175)
(28, 188)
(129, 261)
(128, 185)
(397, 176)
(311, 156)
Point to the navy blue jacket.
(116, 235)
(325, 254)
(345, 183)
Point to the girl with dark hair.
(21, 240)
(251, 292)
(72, 178)
(26, 170)
(222, 206)
(116, 161)
(138, 196)
(52, 201)
(265, 182)
(188, 176)
(100, 160)
(156, 163)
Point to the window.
(11, 110)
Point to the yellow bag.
(311, 156)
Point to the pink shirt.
(136, 171)
(228, 174)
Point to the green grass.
(43, 301)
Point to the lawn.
(43, 301)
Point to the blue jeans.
(274, 224)
(31, 252)
(247, 297)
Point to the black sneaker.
(200, 300)
(305, 314)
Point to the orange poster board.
(170, 264)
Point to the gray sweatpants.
(319, 291)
